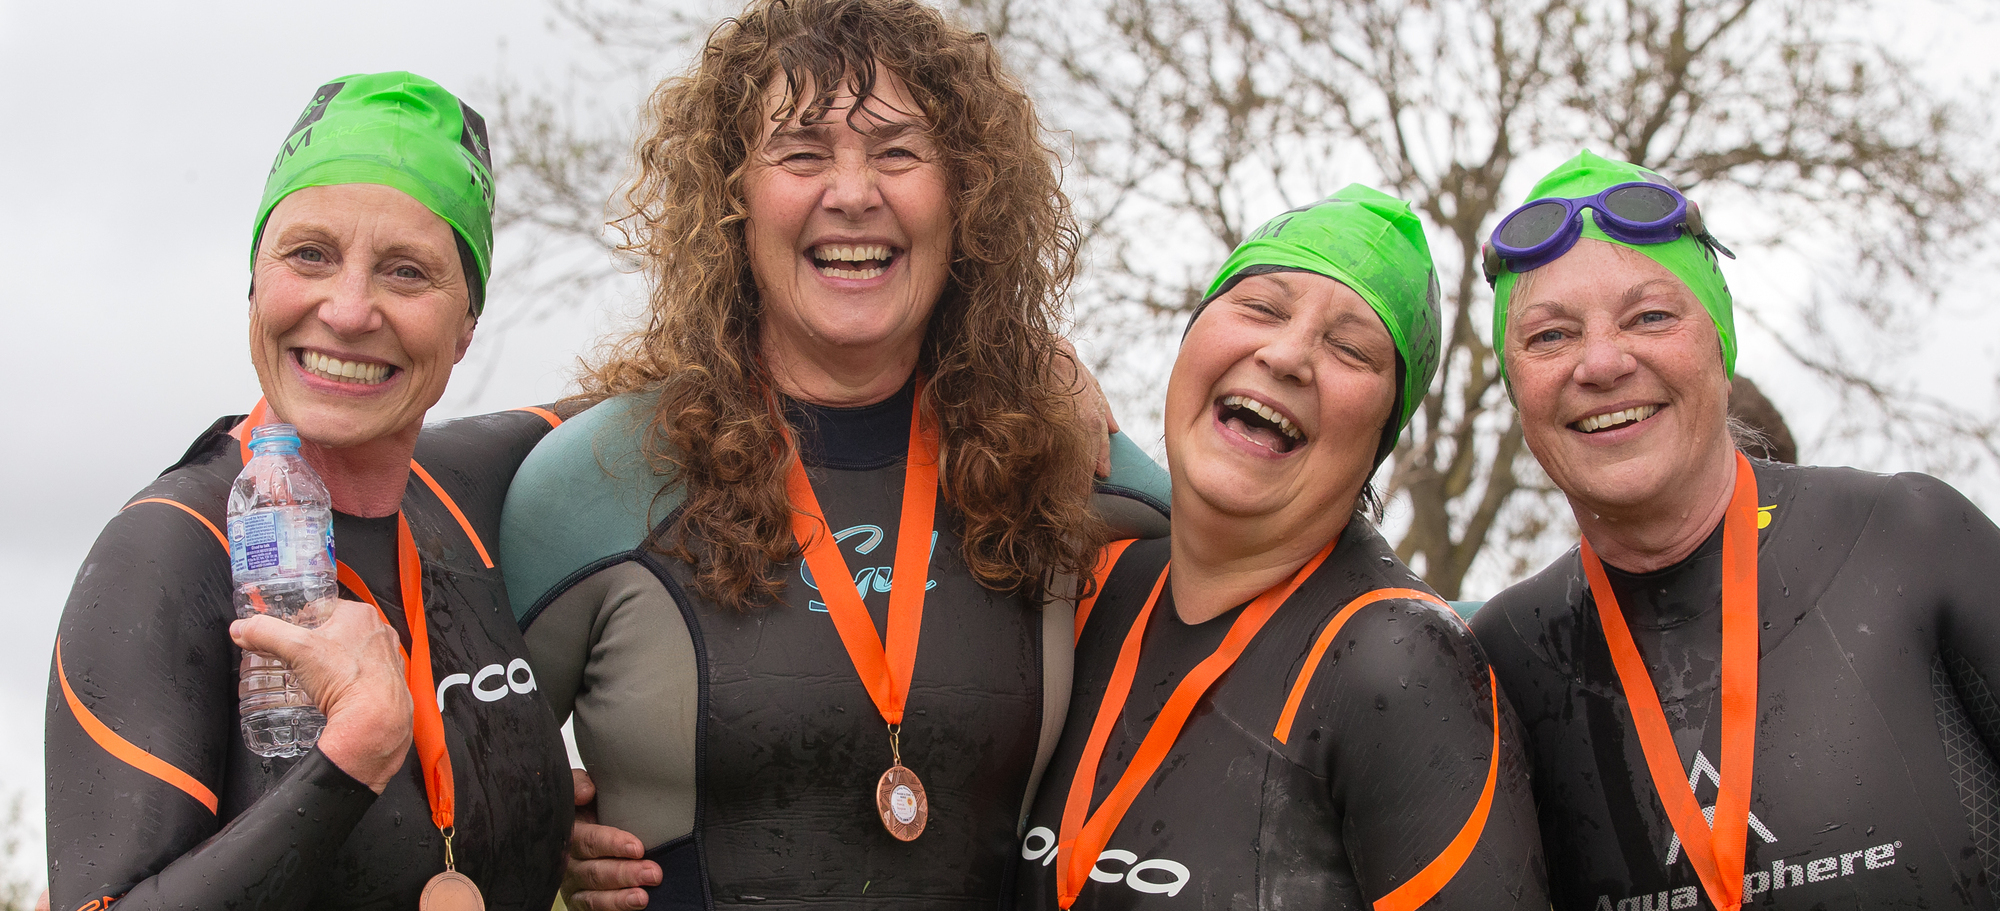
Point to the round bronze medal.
(900, 798)
(451, 891)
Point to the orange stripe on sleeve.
(123, 750)
(1106, 560)
(1320, 645)
(1426, 884)
(220, 538)
(452, 505)
(542, 413)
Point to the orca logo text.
(493, 682)
(1157, 876)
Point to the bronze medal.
(900, 798)
(451, 891)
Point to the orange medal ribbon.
(1717, 854)
(429, 721)
(883, 663)
(1084, 834)
(885, 671)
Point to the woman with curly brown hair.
(849, 414)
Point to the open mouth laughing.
(1259, 423)
(333, 369)
(853, 261)
(1615, 420)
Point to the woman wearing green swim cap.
(1751, 684)
(1271, 709)
(439, 770)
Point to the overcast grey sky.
(134, 140)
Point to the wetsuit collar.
(862, 438)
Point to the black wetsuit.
(1382, 769)
(1875, 784)
(154, 801)
(739, 745)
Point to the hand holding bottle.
(351, 668)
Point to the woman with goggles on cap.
(1751, 683)
(1270, 709)
(437, 776)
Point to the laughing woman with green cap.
(1270, 709)
(439, 774)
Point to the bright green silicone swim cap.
(1688, 259)
(1373, 243)
(399, 130)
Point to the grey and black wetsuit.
(739, 745)
(1380, 772)
(1874, 786)
(154, 802)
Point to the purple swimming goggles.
(1538, 233)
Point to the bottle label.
(255, 541)
(280, 539)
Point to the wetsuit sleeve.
(1431, 816)
(1135, 500)
(606, 637)
(1954, 547)
(140, 726)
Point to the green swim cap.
(399, 130)
(1688, 259)
(1373, 243)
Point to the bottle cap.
(274, 437)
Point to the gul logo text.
(1156, 876)
(867, 578)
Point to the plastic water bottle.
(281, 556)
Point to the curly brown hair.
(1016, 458)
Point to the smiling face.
(849, 235)
(1617, 374)
(358, 311)
(1276, 405)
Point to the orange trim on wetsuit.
(1433, 877)
(1284, 730)
(183, 507)
(449, 504)
(543, 413)
(124, 750)
(1107, 560)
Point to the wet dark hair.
(475, 285)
